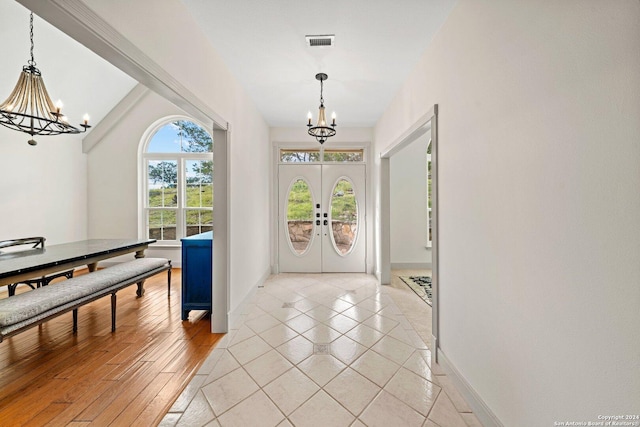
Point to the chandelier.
(321, 131)
(29, 108)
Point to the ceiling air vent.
(319, 41)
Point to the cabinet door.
(197, 272)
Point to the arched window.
(177, 165)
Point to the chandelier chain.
(323, 130)
(32, 62)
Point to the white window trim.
(321, 151)
(143, 182)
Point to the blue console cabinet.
(196, 273)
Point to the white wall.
(43, 188)
(113, 174)
(249, 197)
(185, 53)
(539, 117)
(409, 222)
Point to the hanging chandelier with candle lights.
(321, 131)
(29, 108)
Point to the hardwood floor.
(48, 376)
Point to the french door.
(321, 218)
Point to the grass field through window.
(198, 211)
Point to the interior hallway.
(324, 350)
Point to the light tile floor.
(324, 350)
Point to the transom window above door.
(322, 155)
(177, 164)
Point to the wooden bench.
(23, 311)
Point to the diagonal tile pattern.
(352, 390)
(323, 350)
(291, 390)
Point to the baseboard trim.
(411, 265)
(236, 313)
(480, 409)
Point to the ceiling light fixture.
(29, 108)
(321, 131)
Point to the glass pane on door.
(344, 216)
(300, 216)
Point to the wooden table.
(31, 263)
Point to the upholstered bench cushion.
(29, 305)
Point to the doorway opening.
(425, 128)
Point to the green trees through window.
(179, 181)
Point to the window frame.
(181, 158)
(321, 157)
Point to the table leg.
(140, 253)
(92, 267)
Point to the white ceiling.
(72, 73)
(263, 43)
(377, 43)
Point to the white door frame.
(80, 22)
(427, 123)
(306, 142)
(322, 255)
(355, 261)
(310, 260)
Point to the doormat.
(421, 285)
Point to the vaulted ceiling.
(377, 43)
(83, 81)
